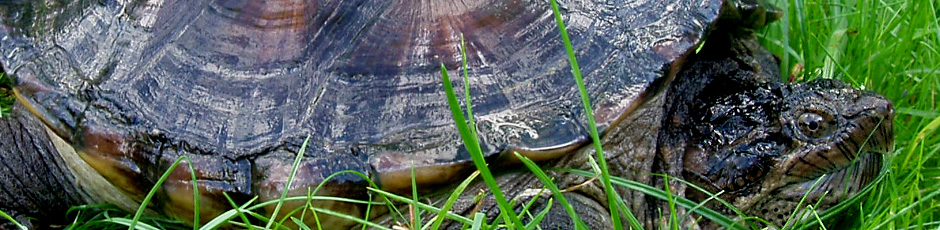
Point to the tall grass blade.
(547, 182)
(221, 219)
(589, 114)
(541, 216)
(473, 146)
(453, 199)
(391, 208)
(368, 208)
(10, 218)
(449, 215)
(478, 220)
(671, 203)
(631, 219)
(133, 224)
(153, 191)
(909, 208)
(192, 174)
(239, 208)
(353, 218)
(293, 172)
(237, 211)
(300, 223)
(798, 211)
(706, 212)
(466, 87)
(415, 214)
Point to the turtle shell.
(237, 86)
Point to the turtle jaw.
(799, 200)
(839, 184)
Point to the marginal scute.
(89, 181)
(108, 154)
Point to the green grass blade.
(221, 219)
(589, 114)
(392, 208)
(353, 218)
(631, 219)
(453, 199)
(368, 208)
(541, 216)
(428, 207)
(192, 174)
(798, 212)
(132, 224)
(153, 191)
(922, 134)
(300, 223)
(10, 218)
(304, 198)
(239, 208)
(527, 207)
(547, 182)
(415, 216)
(909, 208)
(671, 203)
(701, 204)
(7, 97)
(466, 87)
(713, 215)
(473, 146)
(290, 179)
(478, 220)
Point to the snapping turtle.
(110, 93)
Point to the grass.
(6, 95)
(612, 196)
(890, 46)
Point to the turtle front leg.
(34, 181)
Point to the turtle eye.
(813, 125)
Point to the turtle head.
(838, 138)
(769, 148)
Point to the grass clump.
(891, 47)
(6, 95)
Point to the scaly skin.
(37, 183)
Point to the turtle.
(111, 93)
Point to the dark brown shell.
(237, 85)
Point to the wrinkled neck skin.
(728, 64)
